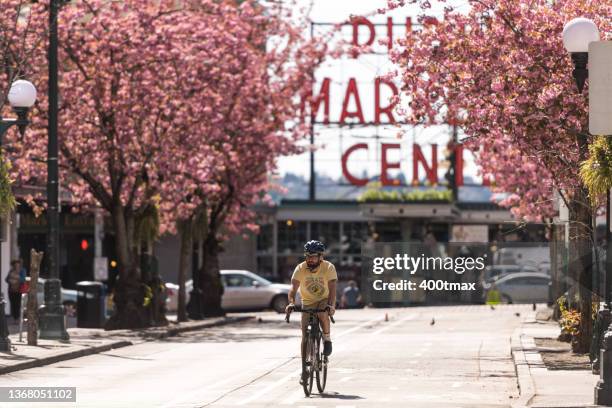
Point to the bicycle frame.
(312, 360)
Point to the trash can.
(90, 304)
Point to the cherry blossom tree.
(128, 85)
(500, 71)
(256, 103)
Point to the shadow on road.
(337, 395)
(225, 336)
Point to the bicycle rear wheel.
(321, 368)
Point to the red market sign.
(322, 101)
(383, 109)
(418, 162)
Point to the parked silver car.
(494, 272)
(243, 290)
(522, 287)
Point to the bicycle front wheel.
(309, 366)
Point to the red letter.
(385, 165)
(357, 21)
(408, 26)
(352, 179)
(315, 102)
(431, 171)
(459, 165)
(390, 32)
(387, 110)
(351, 89)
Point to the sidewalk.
(539, 386)
(84, 342)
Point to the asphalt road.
(461, 360)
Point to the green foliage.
(375, 193)
(596, 171)
(569, 321)
(7, 199)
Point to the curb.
(521, 367)
(64, 356)
(168, 332)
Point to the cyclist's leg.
(303, 344)
(325, 328)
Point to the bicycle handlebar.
(299, 309)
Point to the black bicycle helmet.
(314, 247)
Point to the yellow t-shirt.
(314, 286)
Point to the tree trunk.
(32, 308)
(581, 260)
(210, 278)
(581, 257)
(185, 228)
(129, 293)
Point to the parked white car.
(522, 287)
(243, 290)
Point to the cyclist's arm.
(295, 284)
(331, 300)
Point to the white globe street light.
(22, 94)
(577, 34)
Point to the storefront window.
(291, 237)
(265, 239)
(328, 233)
(354, 235)
(265, 267)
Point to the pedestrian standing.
(15, 279)
(351, 297)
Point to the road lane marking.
(192, 395)
(270, 387)
(359, 326)
(409, 317)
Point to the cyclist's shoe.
(327, 348)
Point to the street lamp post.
(22, 96)
(52, 323)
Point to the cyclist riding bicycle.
(316, 280)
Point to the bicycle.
(314, 362)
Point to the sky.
(331, 140)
